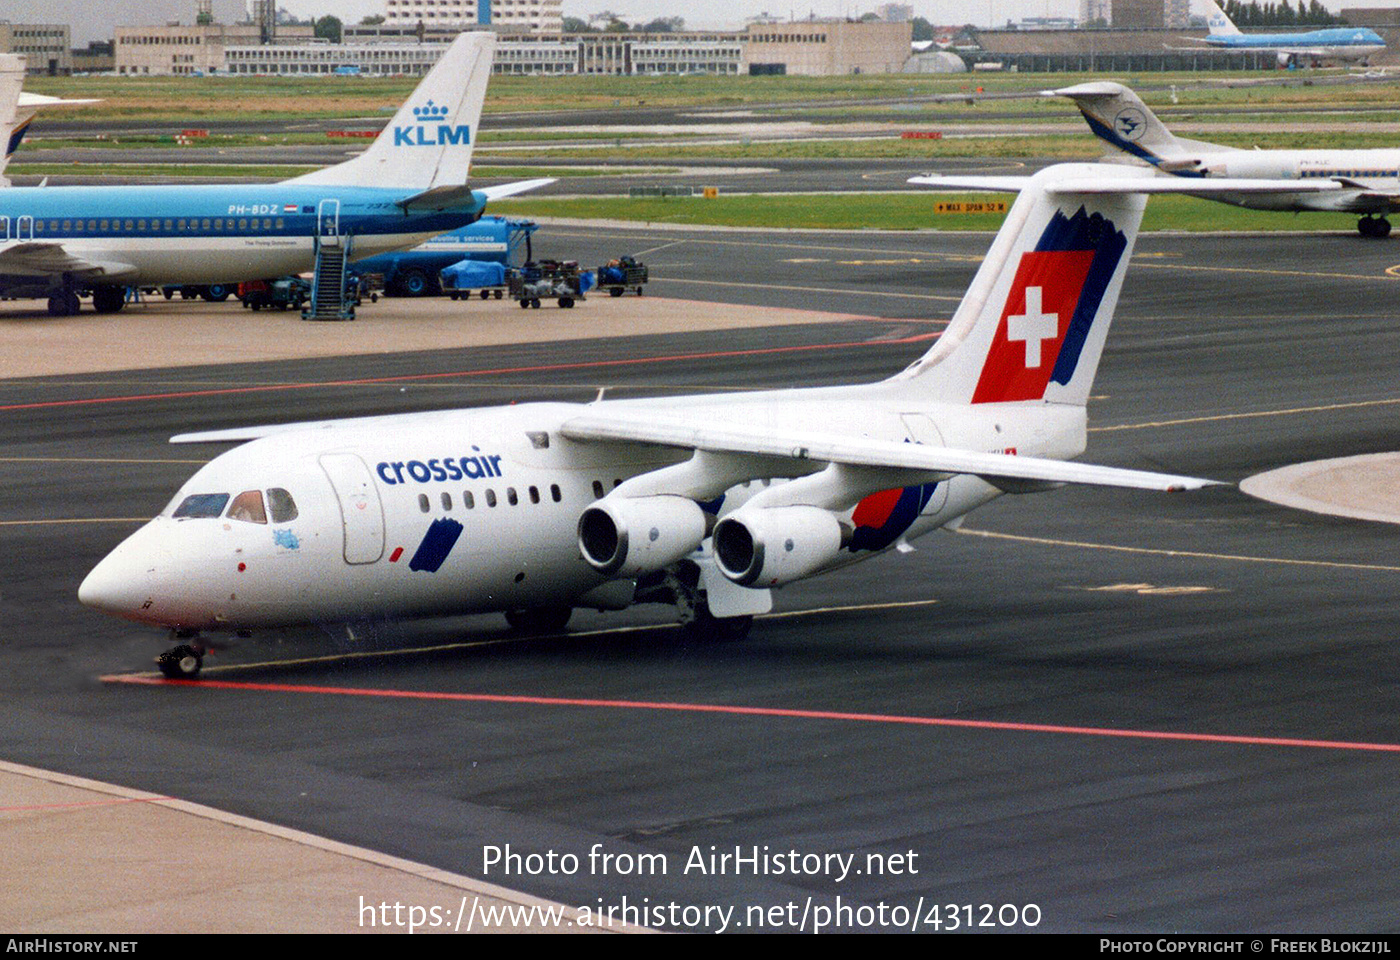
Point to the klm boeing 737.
(1332, 43)
(410, 185)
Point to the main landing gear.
(182, 661)
(64, 303)
(540, 620)
(681, 586)
(1376, 227)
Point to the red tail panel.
(1034, 321)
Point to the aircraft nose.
(114, 585)
(121, 582)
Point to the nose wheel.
(181, 662)
(1376, 227)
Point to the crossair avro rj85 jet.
(704, 501)
(1354, 181)
(408, 186)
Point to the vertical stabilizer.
(1032, 325)
(1220, 25)
(1118, 116)
(11, 81)
(429, 142)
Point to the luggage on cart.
(546, 280)
(622, 274)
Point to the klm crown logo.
(430, 131)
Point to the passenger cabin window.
(423, 502)
(248, 507)
(534, 494)
(490, 498)
(468, 500)
(597, 489)
(281, 505)
(510, 495)
(201, 505)
(446, 500)
(555, 492)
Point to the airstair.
(331, 298)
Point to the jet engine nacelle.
(771, 546)
(629, 536)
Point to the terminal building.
(824, 48)
(189, 50)
(533, 16)
(48, 46)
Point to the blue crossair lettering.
(426, 135)
(474, 466)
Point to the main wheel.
(540, 619)
(707, 626)
(108, 299)
(413, 283)
(1382, 227)
(180, 663)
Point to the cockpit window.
(201, 505)
(248, 507)
(281, 505)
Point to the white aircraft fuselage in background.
(1364, 182)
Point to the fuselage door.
(328, 222)
(920, 428)
(361, 512)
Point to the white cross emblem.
(1032, 327)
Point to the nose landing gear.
(1376, 227)
(182, 661)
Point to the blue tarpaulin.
(472, 274)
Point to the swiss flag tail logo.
(1056, 295)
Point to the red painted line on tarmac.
(498, 371)
(768, 712)
(84, 803)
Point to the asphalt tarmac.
(1138, 712)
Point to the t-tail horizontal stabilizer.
(1131, 180)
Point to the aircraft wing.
(32, 258)
(456, 197)
(501, 191)
(923, 461)
(1149, 182)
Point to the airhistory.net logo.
(427, 133)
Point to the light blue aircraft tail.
(1220, 25)
(428, 144)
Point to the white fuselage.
(1372, 170)
(379, 501)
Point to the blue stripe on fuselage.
(1105, 132)
(363, 210)
(1331, 38)
(16, 136)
